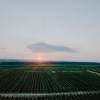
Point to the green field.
(49, 82)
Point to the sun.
(39, 59)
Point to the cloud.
(2, 48)
(45, 47)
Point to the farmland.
(56, 81)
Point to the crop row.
(47, 82)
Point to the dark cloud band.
(44, 47)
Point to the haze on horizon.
(58, 25)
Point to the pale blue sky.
(70, 23)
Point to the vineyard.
(30, 84)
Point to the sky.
(50, 25)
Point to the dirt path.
(93, 72)
(47, 94)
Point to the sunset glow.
(39, 59)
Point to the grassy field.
(53, 81)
